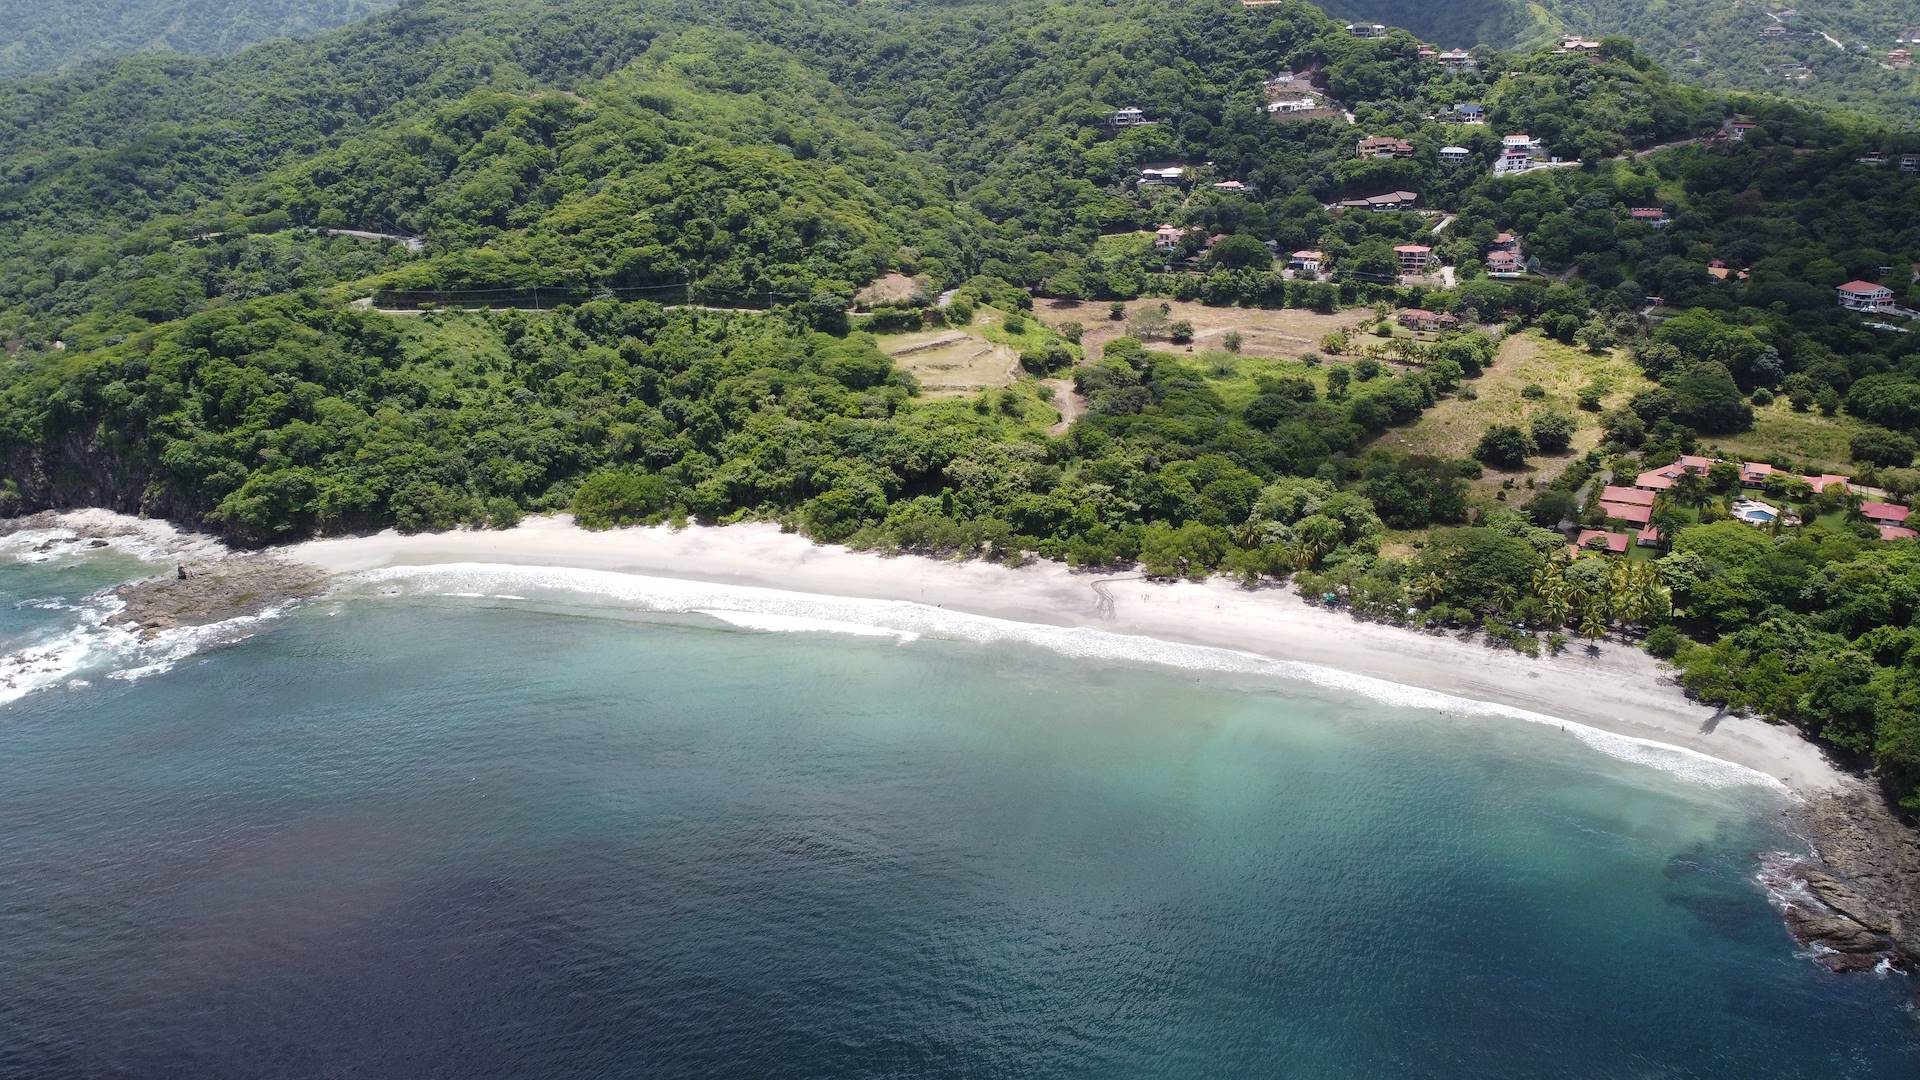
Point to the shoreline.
(1621, 691)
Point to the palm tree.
(1429, 586)
(1593, 624)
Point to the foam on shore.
(777, 610)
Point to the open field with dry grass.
(888, 288)
(1808, 440)
(1453, 427)
(952, 362)
(1282, 333)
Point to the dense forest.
(191, 251)
(41, 37)
(1833, 51)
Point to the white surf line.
(797, 611)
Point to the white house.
(1455, 155)
(1292, 105)
(1366, 30)
(1127, 117)
(1512, 162)
(1519, 142)
(1456, 58)
(1168, 237)
(1162, 175)
(1864, 295)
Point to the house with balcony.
(1414, 258)
(1864, 296)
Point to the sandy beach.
(1619, 690)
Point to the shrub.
(1180, 332)
(1552, 432)
(1533, 391)
(1504, 446)
(1663, 642)
(1233, 341)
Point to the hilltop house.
(1575, 44)
(1455, 155)
(1414, 258)
(1651, 215)
(1366, 30)
(1864, 296)
(1127, 117)
(1383, 146)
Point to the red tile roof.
(1632, 513)
(1897, 532)
(1409, 249)
(1648, 535)
(1863, 288)
(1879, 511)
(1615, 493)
(1616, 542)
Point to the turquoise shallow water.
(462, 836)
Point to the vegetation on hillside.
(38, 37)
(177, 302)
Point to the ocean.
(487, 823)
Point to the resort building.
(1864, 296)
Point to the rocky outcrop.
(1855, 902)
(212, 591)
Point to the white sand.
(1620, 690)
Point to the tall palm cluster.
(1629, 594)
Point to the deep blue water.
(415, 837)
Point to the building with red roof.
(1897, 532)
(1864, 295)
(1616, 543)
(1413, 258)
(1630, 513)
(1881, 513)
(1630, 495)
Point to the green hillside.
(44, 37)
(663, 213)
(1833, 51)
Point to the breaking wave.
(777, 610)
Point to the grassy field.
(1453, 427)
(1265, 332)
(1808, 440)
(954, 362)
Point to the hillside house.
(1414, 259)
(1459, 59)
(1391, 200)
(1231, 187)
(1738, 129)
(1909, 36)
(1504, 264)
(1575, 44)
(1307, 262)
(1455, 155)
(1286, 106)
(1512, 162)
(1383, 146)
(1773, 32)
(1612, 543)
(1864, 296)
(1162, 175)
(1899, 59)
(1506, 241)
(1718, 270)
(1910, 163)
(1520, 141)
(1127, 117)
(1416, 319)
(1470, 112)
(1427, 52)
(1168, 237)
(1650, 215)
(1367, 30)
(1874, 159)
